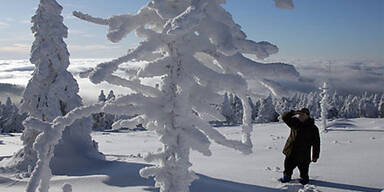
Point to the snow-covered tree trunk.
(324, 106)
(52, 92)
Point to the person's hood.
(309, 121)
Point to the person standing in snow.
(297, 150)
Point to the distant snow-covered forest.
(264, 110)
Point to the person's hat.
(304, 110)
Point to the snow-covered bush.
(197, 50)
(51, 92)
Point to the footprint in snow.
(268, 147)
(275, 169)
(274, 137)
(335, 142)
(309, 188)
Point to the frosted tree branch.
(91, 19)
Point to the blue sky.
(326, 29)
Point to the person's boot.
(304, 181)
(285, 179)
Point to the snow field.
(350, 160)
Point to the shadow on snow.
(346, 187)
(126, 174)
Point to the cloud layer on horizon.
(345, 76)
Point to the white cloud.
(344, 75)
(91, 47)
(79, 33)
(15, 48)
(3, 25)
(19, 38)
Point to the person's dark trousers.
(291, 163)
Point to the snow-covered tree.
(101, 97)
(52, 92)
(103, 121)
(324, 106)
(367, 108)
(343, 110)
(226, 109)
(376, 100)
(237, 107)
(111, 95)
(267, 112)
(98, 122)
(352, 107)
(187, 84)
(255, 109)
(10, 118)
(282, 105)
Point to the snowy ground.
(351, 159)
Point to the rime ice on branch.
(197, 50)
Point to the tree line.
(269, 109)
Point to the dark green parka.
(303, 136)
